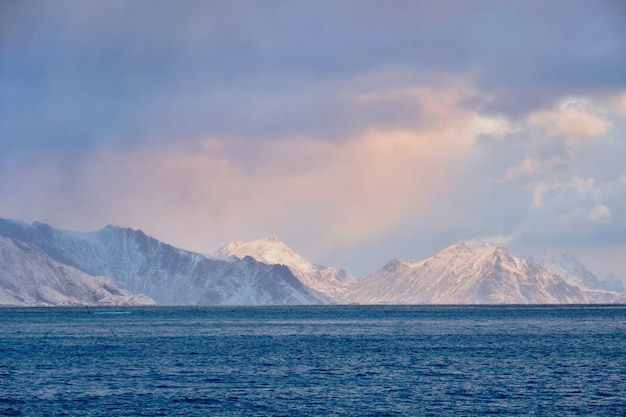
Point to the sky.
(355, 131)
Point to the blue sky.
(356, 131)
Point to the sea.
(314, 361)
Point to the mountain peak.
(268, 249)
(330, 281)
(394, 265)
(568, 267)
(468, 274)
(139, 263)
(466, 248)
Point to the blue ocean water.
(305, 361)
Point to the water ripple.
(302, 361)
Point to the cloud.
(416, 185)
(574, 121)
(403, 126)
(596, 213)
(599, 212)
(617, 103)
(578, 212)
(563, 160)
(532, 166)
(559, 144)
(119, 72)
(299, 187)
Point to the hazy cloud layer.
(356, 131)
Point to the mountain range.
(42, 265)
(29, 277)
(170, 276)
(467, 274)
(332, 282)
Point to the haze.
(356, 131)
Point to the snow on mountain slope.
(171, 276)
(29, 277)
(330, 281)
(463, 274)
(575, 273)
(460, 274)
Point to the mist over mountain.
(41, 265)
(171, 276)
(29, 277)
(573, 272)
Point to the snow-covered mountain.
(171, 276)
(29, 277)
(575, 273)
(464, 274)
(330, 281)
(613, 283)
(40, 265)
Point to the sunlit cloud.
(532, 166)
(333, 193)
(580, 211)
(342, 127)
(574, 121)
